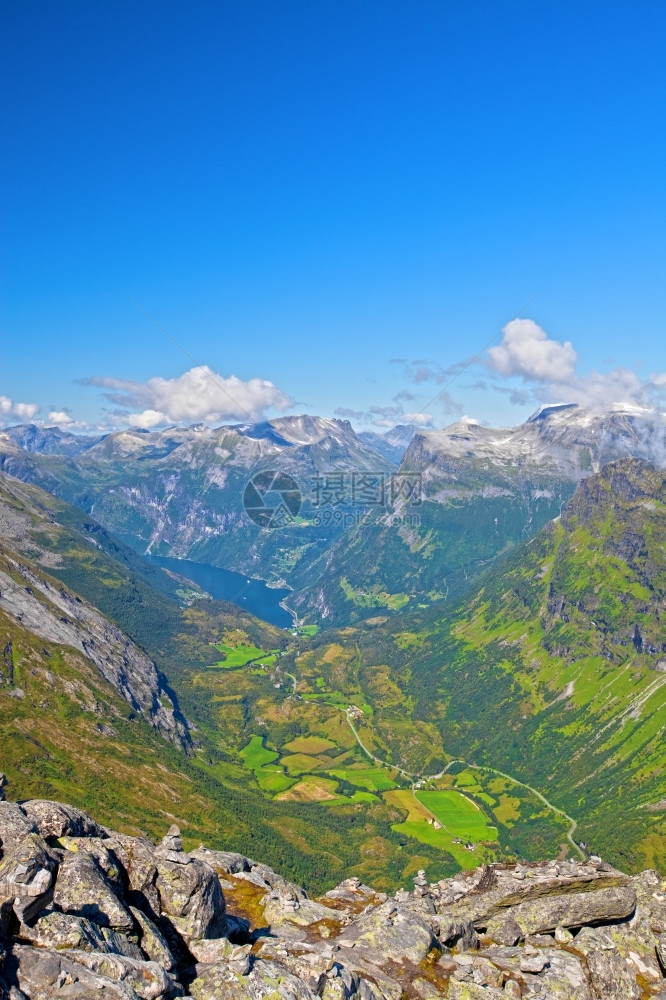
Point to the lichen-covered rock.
(191, 898)
(559, 972)
(41, 974)
(472, 991)
(611, 977)
(572, 909)
(26, 875)
(477, 969)
(148, 980)
(391, 931)
(265, 981)
(63, 930)
(223, 862)
(82, 889)
(14, 824)
(635, 938)
(479, 895)
(55, 819)
(277, 882)
(353, 891)
(99, 849)
(152, 942)
(280, 911)
(137, 857)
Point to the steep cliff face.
(32, 600)
(87, 911)
(49, 610)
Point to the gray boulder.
(55, 819)
(281, 911)
(391, 931)
(190, 898)
(14, 824)
(481, 894)
(573, 909)
(62, 931)
(147, 979)
(82, 889)
(610, 976)
(265, 981)
(99, 849)
(26, 876)
(137, 857)
(152, 942)
(42, 974)
(223, 862)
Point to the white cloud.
(548, 370)
(19, 411)
(148, 419)
(60, 417)
(198, 395)
(420, 419)
(528, 351)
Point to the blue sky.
(343, 199)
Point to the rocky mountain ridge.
(85, 910)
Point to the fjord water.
(224, 585)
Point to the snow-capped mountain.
(563, 442)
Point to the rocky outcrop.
(88, 912)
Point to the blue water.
(224, 585)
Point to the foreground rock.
(88, 913)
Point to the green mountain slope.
(554, 668)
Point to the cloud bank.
(9, 410)
(199, 395)
(547, 370)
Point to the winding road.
(473, 767)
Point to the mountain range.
(432, 519)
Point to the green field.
(460, 818)
(255, 754)
(443, 841)
(300, 763)
(273, 780)
(238, 657)
(459, 815)
(373, 779)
